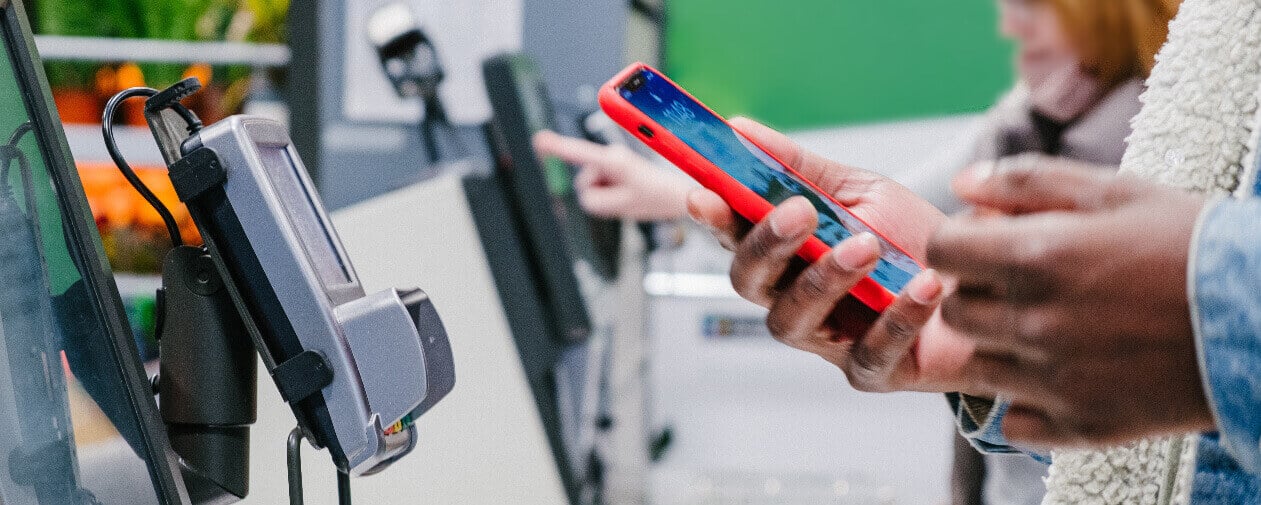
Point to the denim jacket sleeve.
(1224, 288)
(980, 421)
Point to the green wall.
(810, 63)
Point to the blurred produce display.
(134, 236)
(80, 89)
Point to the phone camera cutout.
(634, 83)
(646, 131)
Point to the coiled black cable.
(22, 130)
(10, 152)
(107, 129)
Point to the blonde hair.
(1117, 40)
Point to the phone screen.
(710, 136)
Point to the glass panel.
(68, 434)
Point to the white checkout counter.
(485, 442)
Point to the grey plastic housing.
(381, 362)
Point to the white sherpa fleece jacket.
(1198, 130)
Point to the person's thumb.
(1027, 184)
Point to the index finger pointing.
(571, 150)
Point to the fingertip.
(703, 205)
(798, 204)
(1027, 426)
(926, 288)
(868, 241)
(753, 129)
(857, 253)
(543, 140)
(794, 217)
(741, 122)
(969, 182)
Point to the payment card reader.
(356, 368)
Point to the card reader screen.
(306, 221)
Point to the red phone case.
(743, 200)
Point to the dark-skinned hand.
(905, 347)
(1072, 283)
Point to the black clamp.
(196, 173)
(301, 376)
(170, 97)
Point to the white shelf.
(136, 144)
(137, 285)
(62, 48)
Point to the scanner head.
(407, 55)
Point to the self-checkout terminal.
(357, 369)
(273, 280)
(568, 259)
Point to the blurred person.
(1074, 299)
(1081, 66)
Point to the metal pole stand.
(293, 449)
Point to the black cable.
(22, 130)
(107, 129)
(343, 488)
(194, 122)
(10, 151)
(7, 155)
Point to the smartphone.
(686, 132)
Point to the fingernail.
(693, 207)
(783, 229)
(984, 170)
(925, 288)
(777, 227)
(857, 252)
(977, 174)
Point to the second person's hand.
(615, 182)
(1074, 287)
